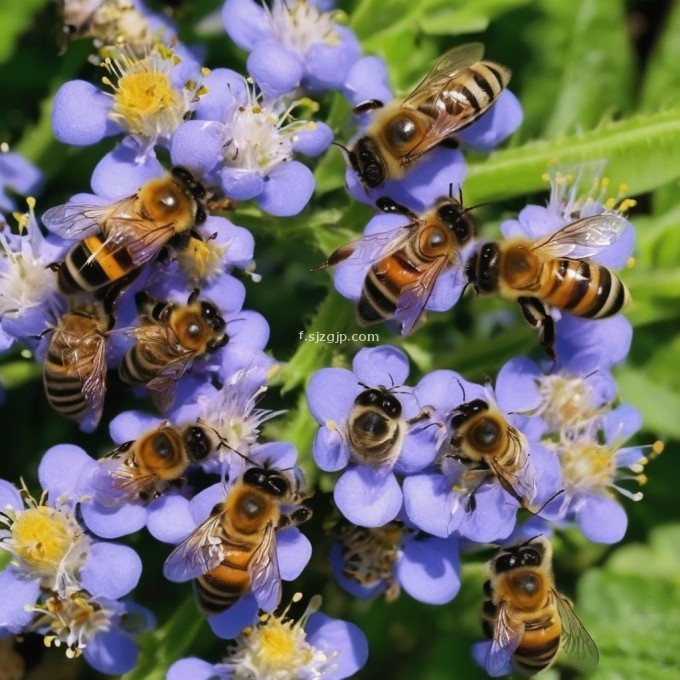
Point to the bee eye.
(448, 213)
(278, 486)
(402, 131)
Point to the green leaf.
(15, 22)
(661, 84)
(161, 647)
(599, 48)
(633, 614)
(659, 405)
(641, 152)
(17, 373)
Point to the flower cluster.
(143, 274)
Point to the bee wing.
(507, 634)
(414, 297)
(117, 483)
(263, 568)
(449, 65)
(198, 554)
(579, 649)
(162, 387)
(583, 238)
(94, 386)
(370, 248)
(74, 220)
(521, 488)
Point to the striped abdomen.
(470, 93)
(92, 264)
(64, 387)
(220, 588)
(583, 288)
(388, 277)
(145, 360)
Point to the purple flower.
(367, 492)
(383, 560)
(18, 175)
(273, 647)
(457, 495)
(594, 463)
(99, 628)
(50, 549)
(152, 95)
(246, 145)
(29, 301)
(291, 44)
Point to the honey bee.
(369, 554)
(525, 617)
(458, 90)
(554, 271)
(74, 373)
(234, 551)
(487, 445)
(145, 468)
(169, 338)
(128, 233)
(407, 262)
(375, 427)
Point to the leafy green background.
(598, 79)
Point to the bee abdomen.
(91, 265)
(377, 303)
(220, 588)
(65, 395)
(141, 365)
(533, 659)
(586, 289)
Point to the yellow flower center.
(279, 646)
(143, 94)
(42, 537)
(587, 465)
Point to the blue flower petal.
(331, 393)
(368, 498)
(170, 519)
(198, 145)
(111, 570)
(118, 174)
(113, 522)
(601, 519)
(429, 570)
(499, 122)
(330, 451)
(340, 638)
(327, 66)
(516, 389)
(246, 23)
(226, 90)
(131, 425)
(276, 69)
(294, 551)
(287, 189)
(80, 115)
(231, 622)
(384, 365)
(16, 594)
(313, 139)
(368, 79)
(240, 184)
(428, 503)
(10, 496)
(60, 470)
(192, 668)
(112, 652)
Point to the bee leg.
(369, 105)
(111, 294)
(387, 205)
(54, 266)
(535, 313)
(449, 143)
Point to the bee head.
(381, 399)
(366, 161)
(271, 481)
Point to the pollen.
(277, 649)
(143, 94)
(587, 464)
(42, 537)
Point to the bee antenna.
(364, 385)
(550, 500)
(462, 389)
(533, 538)
(474, 207)
(344, 149)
